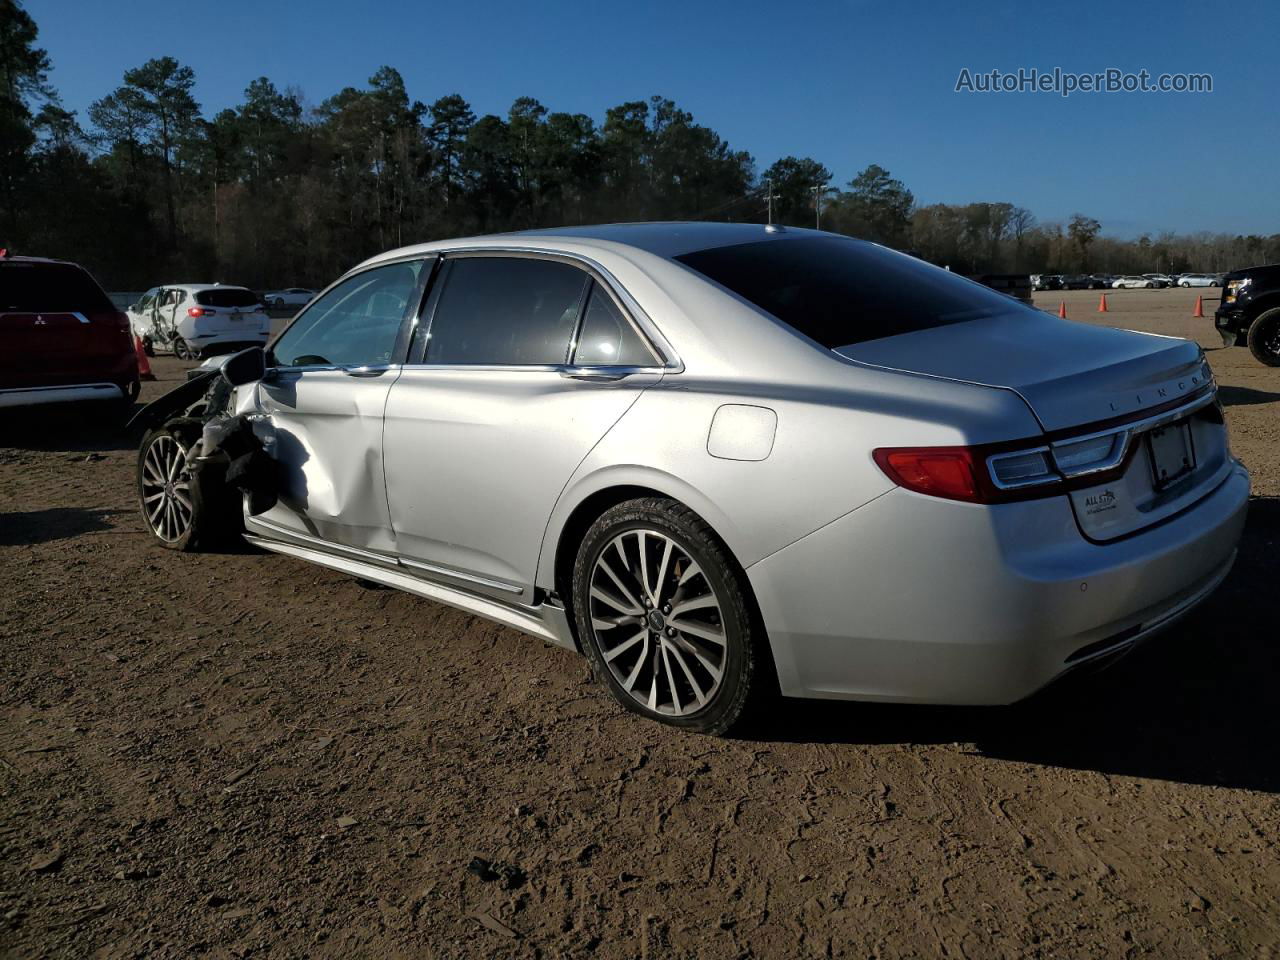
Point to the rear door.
(503, 398)
(323, 403)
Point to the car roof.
(666, 239)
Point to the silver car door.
(323, 401)
(484, 430)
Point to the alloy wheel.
(166, 489)
(657, 622)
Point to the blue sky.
(848, 82)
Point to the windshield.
(841, 291)
(227, 297)
(51, 288)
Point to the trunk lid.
(1068, 373)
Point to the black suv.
(1250, 312)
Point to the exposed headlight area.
(1235, 288)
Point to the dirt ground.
(240, 754)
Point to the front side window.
(506, 311)
(354, 324)
(607, 338)
(840, 291)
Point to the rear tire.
(180, 349)
(1264, 337)
(666, 619)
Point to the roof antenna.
(768, 181)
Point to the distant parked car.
(1161, 280)
(1078, 281)
(61, 338)
(193, 320)
(1131, 283)
(1199, 280)
(1046, 281)
(289, 297)
(1250, 312)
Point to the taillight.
(200, 312)
(991, 474)
(947, 472)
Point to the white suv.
(193, 320)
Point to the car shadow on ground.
(70, 428)
(1196, 704)
(1245, 396)
(57, 523)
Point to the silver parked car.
(727, 460)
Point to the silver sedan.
(727, 461)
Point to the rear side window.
(506, 310)
(842, 291)
(607, 338)
(227, 297)
(50, 288)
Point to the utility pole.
(769, 185)
(820, 191)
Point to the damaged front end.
(229, 457)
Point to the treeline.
(273, 192)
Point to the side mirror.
(247, 366)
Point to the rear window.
(50, 288)
(842, 291)
(227, 297)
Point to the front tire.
(664, 614)
(1264, 337)
(181, 513)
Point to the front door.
(522, 366)
(323, 400)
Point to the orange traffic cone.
(1062, 309)
(1199, 311)
(1102, 304)
(144, 365)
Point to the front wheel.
(1264, 337)
(665, 617)
(182, 512)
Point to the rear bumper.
(71, 393)
(915, 599)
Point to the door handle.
(595, 374)
(367, 370)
